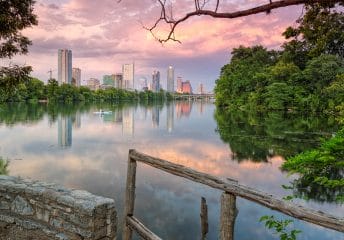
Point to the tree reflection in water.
(257, 137)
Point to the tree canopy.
(15, 15)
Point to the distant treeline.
(306, 75)
(34, 90)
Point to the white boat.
(101, 112)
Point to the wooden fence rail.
(230, 187)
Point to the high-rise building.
(93, 84)
(128, 71)
(170, 79)
(200, 88)
(118, 80)
(109, 80)
(186, 87)
(64, 66)
(179, 85)
(156, 81)
(76, 76)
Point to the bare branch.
(201, 11)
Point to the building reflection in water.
(76, 120)
(128, 122)
(200, 106)
(64, 131)
(155, 116)
(183, 108)
(170, 117)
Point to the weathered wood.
(265, 199)
(228, 215)
(204, 218)
(129, 196)
(141, 229)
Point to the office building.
(118, 78)
(179, 85)
(170, 79)
(64, 66)
(200, 89)
(156, 81)
(93, 84)
(128, 71)
(109, 80)
(186, 87)
(76, 77)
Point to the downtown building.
(76, 77)
(64, 66)
(170, 79)
(128, 71)
(93, 84)
(113, 80)
(156, 81)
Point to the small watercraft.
(102, 112)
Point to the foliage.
(298, 78)
(15, 15)
(280, 227)
(320, 30)
(320, 169)
(3, 166)
(33, 90)
(257, 136)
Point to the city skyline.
(105, 34)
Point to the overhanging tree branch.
(201, 9)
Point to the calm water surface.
(73, 146)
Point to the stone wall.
(37, 210)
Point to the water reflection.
(64, 131)
(182, 132)
(258, 137)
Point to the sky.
(105, 34)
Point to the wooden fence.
(231, 189)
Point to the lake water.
(73, 146)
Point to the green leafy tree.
(15, 16)
(320, 30)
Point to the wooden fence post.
(129, 197)
(204, 218)
(228, 215)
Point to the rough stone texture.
(37, 210)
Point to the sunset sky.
(105, 34)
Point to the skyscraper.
(118, 80)
(179, 85)
(76, 77)
(109, 80)
(156, 81)
(64, 66)
(170, 79)
(128, 71)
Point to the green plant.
(3, 166)
(280, 227)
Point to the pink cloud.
(111, 33)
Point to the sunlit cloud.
(105, 34)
